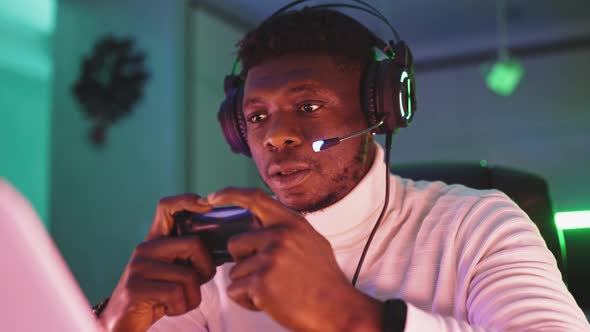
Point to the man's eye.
(309, 108)
(254, 118)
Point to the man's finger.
(246, 244)
(169, 249)
(186, 276)
(167, 294)
(167, 206)
(267, 209)
(240, 292)
(247, 266)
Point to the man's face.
(289, 103)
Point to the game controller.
(215, 228)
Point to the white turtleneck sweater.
(462, 260)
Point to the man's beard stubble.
(354, 172)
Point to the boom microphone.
(324, 144)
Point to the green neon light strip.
(409, 84)
(572, 220)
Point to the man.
(444, 258)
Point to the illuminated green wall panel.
(24, 136)
(26, 28)
(36, 14)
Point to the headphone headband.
(367, 8)
(382, 45)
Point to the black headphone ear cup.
(391, 92)
(379, 90)
(385, 95)
(232, 122)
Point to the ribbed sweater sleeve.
(510, 277)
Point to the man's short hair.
(308, 31)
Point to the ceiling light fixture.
(504, 75)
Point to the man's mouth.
(285, 176)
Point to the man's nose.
(283, 132)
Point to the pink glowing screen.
(38, 291)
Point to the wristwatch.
(97, 309)
(394, 315)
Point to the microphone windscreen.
(325, 144)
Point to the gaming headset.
(388, 91)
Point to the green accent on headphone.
(409, 83)
(235, 66)
(401, 104)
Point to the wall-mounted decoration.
(111, 82)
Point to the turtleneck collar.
(347, 220)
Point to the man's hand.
(289, 270)
(153, 285)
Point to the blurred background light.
(26, 28)
(39, 15)
(503, 76)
